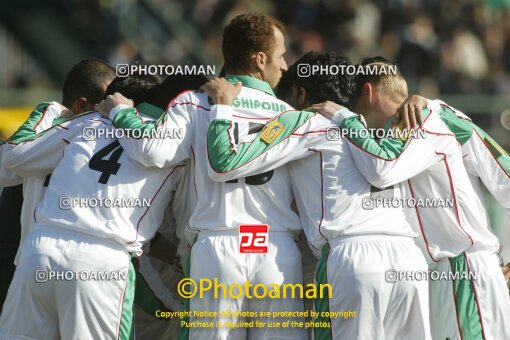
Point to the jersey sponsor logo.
(272, 131)
(253, 238)
(256, 104)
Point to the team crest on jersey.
(253, 238)
(272, 131)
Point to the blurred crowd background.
(457, 50)
(442, 46)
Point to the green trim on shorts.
(184, 333)
(468, 313)
(322, 304)
(126, 327)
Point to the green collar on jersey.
(150, 110)
(251, 82)
(60, 120)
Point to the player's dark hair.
(135, 87)
(172, 86)
(86, 79)
(245, 35)
(320, 86)
(391, 83)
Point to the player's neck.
(246, 72)
(386, 110)
(256, 75)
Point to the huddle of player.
(227, 169)
(34, 157)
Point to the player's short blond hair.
(385, 76)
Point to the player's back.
(261, 199)
(96, 189)
(333, 197)
(454, 220)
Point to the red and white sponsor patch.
(253, 238)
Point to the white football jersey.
(95, 188)
(333, 197)
(259, 199)
(429, 168)
(483, 157)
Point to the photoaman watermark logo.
(335, 133)
(393, 275)
(45, 275)
(67, 203)
(371, 203)
(91, 133)
(125, 70)
(255, 319)
(305, 70)
(189, 288)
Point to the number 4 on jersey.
(107, 167)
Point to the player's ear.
(260, 60)
(81, 105)
(368, 92)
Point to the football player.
(356, 246)
(253, 49)
(98, 210)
